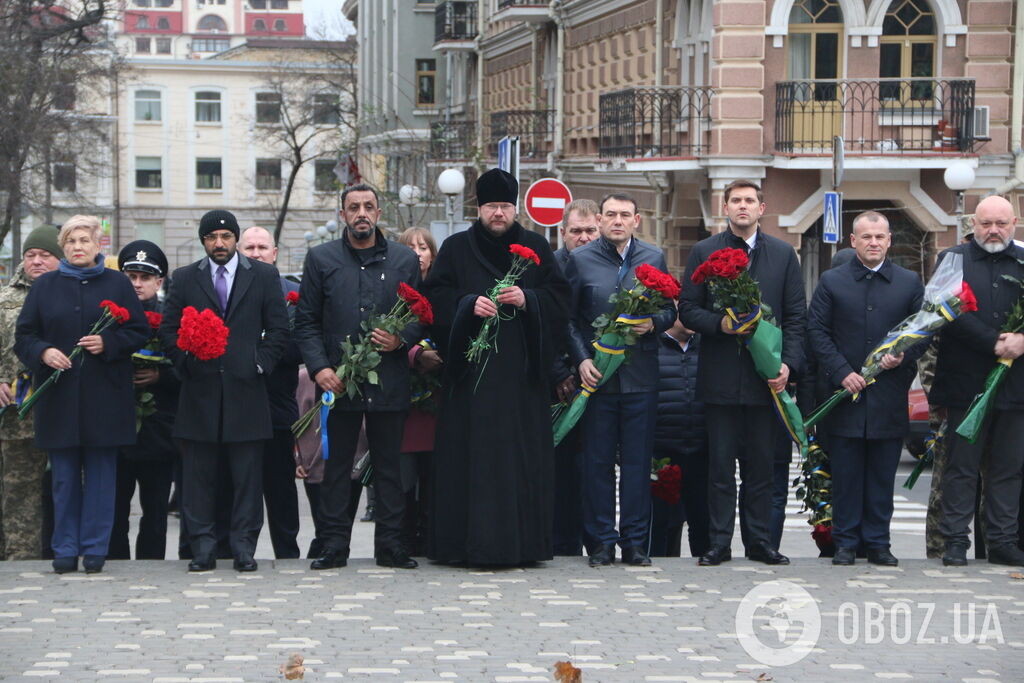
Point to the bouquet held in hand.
(486, 338)
(946, 297)
(112, 314)
(616, 332)
(149, 357)
(359, 359)
(734, 292)
(203, 335)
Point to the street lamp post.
(450, 182)
(958, 177)
(409, 195)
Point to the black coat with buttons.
(225, 399)
(851, 311)
(967, 345)
(342, 287)
(93, 403)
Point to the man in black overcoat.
(344, 282)
(493, 460)
(852, 309)
(223, 409)
(738, 401)
(969, 349)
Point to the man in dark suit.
(969, 349)
(852, 309)
(223, 409)
(737, 400)
(279, 491)
(344, 282)
(620, 417)
(579, 227)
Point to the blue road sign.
(833, 217)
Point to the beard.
(993, 247)
(362, 230)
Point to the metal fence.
(535, 129)
(453, 140)
(877, 116)
(455, 20)
(656, 122)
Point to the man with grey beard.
(969, 349)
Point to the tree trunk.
(282, 212)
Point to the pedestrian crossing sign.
(833, 218)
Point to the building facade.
(673, 99)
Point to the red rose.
(968, 302)
(700, 274)
(657, 281)
(291, 298)
(524, 253)
(418, 304)
(154, 319)
(668, 486)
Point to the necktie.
(221, 285)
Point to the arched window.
(259, 25)
(163, 24)
(279, 25)
(908, 50)
(815, 44)
(212, 23)
(142, 22)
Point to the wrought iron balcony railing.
(877, 116)
(535, 129)
(656, 122)
(453, 140)
(455, 20)
(502, 4)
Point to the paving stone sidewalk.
(152, 621)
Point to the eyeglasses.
(495, 207)
(224, 236)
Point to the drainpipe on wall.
(1016, 110)
(661, 184)
(659, 40)
(557, 14)
(480, 25)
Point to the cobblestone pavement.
(152, 621)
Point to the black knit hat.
(497, 186)
(143, 256)
(218, 219)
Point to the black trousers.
(384, 436)
(280, 493)
(863, 476)
(199, 495)
(744, 434)
(154, 481)
(1002, 478)
(567, 532)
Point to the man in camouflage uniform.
(935, 543)
(22, 465)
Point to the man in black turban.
(493, 459)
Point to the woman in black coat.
(83, 417)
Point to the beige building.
(672, 99)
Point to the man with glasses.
(969, 349)
(493, 461)
(223, 409)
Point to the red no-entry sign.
(546, 200)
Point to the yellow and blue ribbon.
(608, 348)
(326, 403)
(742, 324)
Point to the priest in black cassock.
(494, 460)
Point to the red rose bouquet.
(616, 332)
(204, 335)
(291, 299)
(946, 297)
(112, 314)
(980, 406)
(733, 291)
(359, 359)
(486, 338)
(666, 481)
(149, 356)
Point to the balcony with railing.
(535, 11)
(453, 140)
(910, 116)
(534, 128)
(455, 25)
(656, 123)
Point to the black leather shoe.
(63, 565)
(956, 555)
(635, 556)
(767, 555)
(844, 556)
(716, 555)
(1007, 554)
(202, 565)
(331, 559)
(396, 558)
(602, 556)
(245, 564)
(883, 557)
(93, 564)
